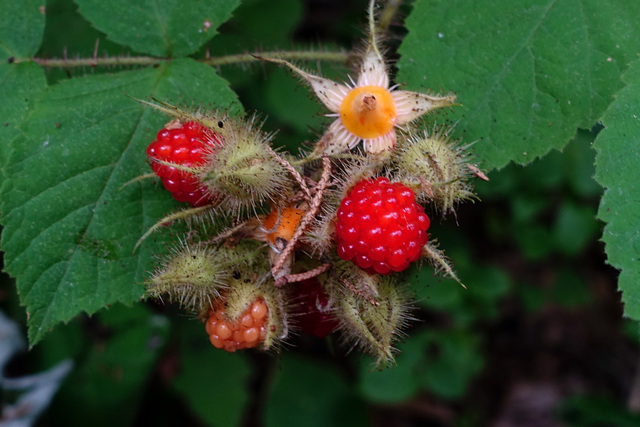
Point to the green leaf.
(308, 393)
(70, 227)
(21, 28)
(20, 86)
(213, 381)
(617, 171)
(167, 28)
(527, 72)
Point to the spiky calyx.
(194, 276)
(437, 167)
(245, 170)
(373, 323)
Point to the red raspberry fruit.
(380, 227)
(183, 144)
(312, 310)
(249, 330)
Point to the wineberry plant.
(354, 219)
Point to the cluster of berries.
(337, 229)
(246, 332)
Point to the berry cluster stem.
(311, 213)
(301, 277)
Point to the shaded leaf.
(617, 171)
(211, 380)
(67, 29)
(398, 383)
(171, 28)
(527, 72)
(452, 361)
(259, 25)
(320, 397)
(69, 227)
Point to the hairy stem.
(240, 58)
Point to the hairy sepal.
(436, 167)
(195, 275)
(244, 170)
(372, 310)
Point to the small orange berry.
(247, 331)
(281, 225)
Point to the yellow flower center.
(368, 111)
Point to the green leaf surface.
(21, 28)
(167, 28)
(213, 381)
(527, 72)
(307, 393)
(617, 160)
(20, 86)
(70, 227)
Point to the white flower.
(368, 109)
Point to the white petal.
(411, 105)
(373, 71)
(381, 143)
(330, 93)
(338, 139)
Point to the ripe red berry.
(311, 309)
(380, 227)
(184, 144)
(247, 331)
